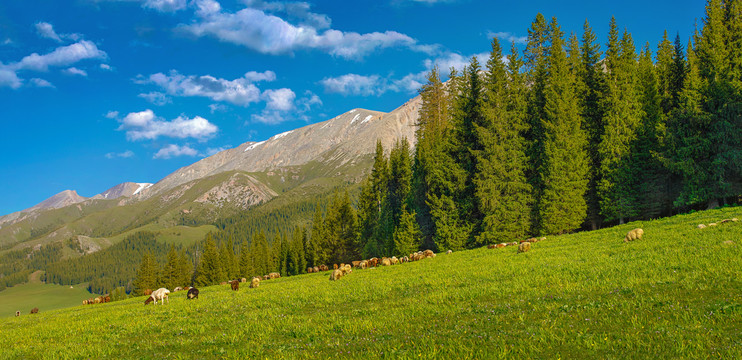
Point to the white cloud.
(125, 154)
(41, 83)
(9, 78)
(509, 37)
(61, 56)
(213, 151)
(255, 28)
(165, 5)
(112, 114)
(145, 125)
(156, 98)
(76, 71)
(173, 150)
(354, 84)
(281, 99)
(46, 30)
(106, 67)
(240, 91)
(217, 107)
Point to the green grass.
(178, 235)
(676, 293)
(46, 297)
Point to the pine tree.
(228, 261)
(503, 194)
(318, 237)
(184, 269)
(209, 270)
(590, 100)
(622, 118)
(562, 206)
(664, 68)
(146, 274)
(406, 234)
(170, 275)
(262, 254)
(245, 261)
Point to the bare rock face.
(123, 189)
(65, 198)
(240, 190)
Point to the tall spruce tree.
(185, 269)
(406, 234)
(245, 260)
(209, 269)
(169, 276)
(622, 118)
(147, 274)
(562, 206)
(503, 194)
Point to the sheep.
(394, 260)
(266, 277)
(97, 300)
(492, 246)
(255, 282)
(223, 283)
(18, 313)
(356, 263)
(235, 285)
(542, 238)
(386, 262)
(310, 270)
(513, 243)
(274, 275)
(107, 298)
(372, 262)
(159, 294)
(178, 288)
(84, 302)
(449, 251)
(347, 269)
(334, 266)
(315, 269)
(428, 253)
(524, 246)
(500, 245)
(632, 235)
(323, 267)
(35, 310)
(243, 280)
(701, 226)
(336, 275)
(363, 264)
(192, 294)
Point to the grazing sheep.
(35, 310)
(274, 275)
(107, 298)
(235, 285)
(701, 226)
(372, 262)
(356, 263)
(148, 292)
(97, 300)
(178, 288)
(524, 246)
(159, 294)
(363, 264)
(266, 277)
(192, 294)
(449, 251)
(18, 313)
(309, 270)
(428, 253)
(394, 260)
(635, 234)
(336, 275)
(243, 280)
(334, 266)
(323, 267)
(347, 269)
(84, 302)
(712, 224)
(500, 245)
(542, 238)
(492, 246)
(254, 282)
(187, 288)
(315, 269)
(223, 283)
(513, 243)
(386, 262)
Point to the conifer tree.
(503, 194)
(318, 237)
(185, 269)
(406, 234)
(562, 206)
(590, 100)
(262, 257)
(209, 270)
(147, 274)
(245, 261)
(623, 116)
(169, 276)
(227, 259)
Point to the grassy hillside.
(25, 297)
(676, 293)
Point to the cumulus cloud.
(41, 83)
(46, 30)
(112, 114)
(165, 5)
(213, 151)
(9, 78)
(281, 99)
(454, 60)
(106, 67)
(144, 125)
(354, 84)
(156, 98)
(76, 71)
(61, 56)
(258, 28)
(241, 91)
(509, 37)
(124, 155)
(173, 150)
(282, 105)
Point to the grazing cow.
(159, 294)
(235, 284)
(255, 282)
(336, 275)
(148, 292)
(635, 234)
(524, 246)
(35, 310)
(192, 294)
(18, 313)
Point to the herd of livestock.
(338, 270)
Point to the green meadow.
(676, 293)
(25, 297)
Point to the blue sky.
(98, 92)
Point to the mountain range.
(291, 165)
